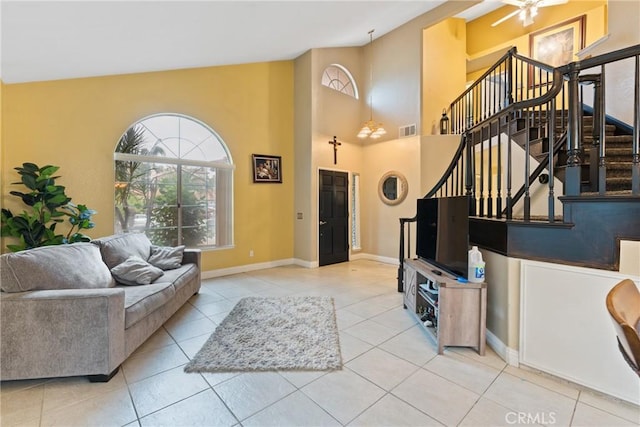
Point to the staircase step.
(587, 120)
(520, 135)
(624, 140)
(610, 130)
(613, 154)
(616, 193)
(618, 183)
(539, 146)
(619, 166)
(537, 218)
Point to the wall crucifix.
(335, 144)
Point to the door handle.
(323, 222)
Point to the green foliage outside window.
(148, 191)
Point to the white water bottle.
(476, 266)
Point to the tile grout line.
(482, 395)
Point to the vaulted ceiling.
(48, 40)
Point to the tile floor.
(392, 375)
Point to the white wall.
(436, 152)
(380, 222)
(350, 159)
(539, 193)
(398, 70)
(321, 113)
(566, 330)
(630, 257)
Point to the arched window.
(174, 181)
(336, 77)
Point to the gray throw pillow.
(135, 271)
(76, 266)
(117, 248)
(166, 257)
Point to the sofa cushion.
(74, 266)
(117, 248)
(180, 276)
(140, 301)
(166, 257)
(135, 271)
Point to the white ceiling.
(48, 40)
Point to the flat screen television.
(442, 233)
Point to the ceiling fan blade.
(501, 20)
(516, 3)
(543, 3)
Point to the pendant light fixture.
(371, 129)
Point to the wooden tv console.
(456, 311)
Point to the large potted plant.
(48, 205)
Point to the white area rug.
(270, 334)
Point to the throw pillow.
(75, 266)
(166, 257)
(135, 271)
(117, 248)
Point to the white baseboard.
(507, 354)
(383, 259)
(209, 274)
(305, 264)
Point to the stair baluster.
(572, 172)
(489, 174)
(550, 157)
(527, 166)
(635, 150)
(602, 165)
(509, 169)
(499, 173)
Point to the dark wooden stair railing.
(525, 102)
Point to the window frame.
(155, 159)
(349, 76)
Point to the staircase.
(549, 174)
(618, 152)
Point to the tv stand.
(453, 313)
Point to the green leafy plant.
(48, 206)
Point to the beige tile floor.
(392, 375)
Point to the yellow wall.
(76, 123)
(482, 39)
(481, 36)
(443, 70)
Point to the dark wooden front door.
(333, 227)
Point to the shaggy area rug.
(270, 334)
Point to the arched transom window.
(174, 182)
(337, 77)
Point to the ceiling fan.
(527, 9)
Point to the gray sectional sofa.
(62, 312)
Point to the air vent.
(407, 131)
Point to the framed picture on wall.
(557, 45)
(267, 168)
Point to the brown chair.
(623, 303)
